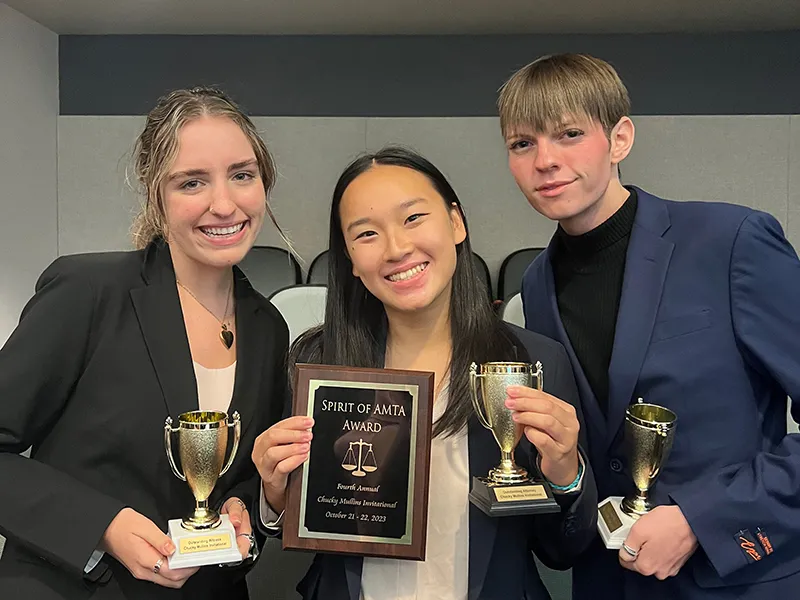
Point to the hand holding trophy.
(649, 432)
(203, 537)
(508, 489)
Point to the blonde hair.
(551, 88)
(157, 147)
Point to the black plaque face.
(359, 484)
(363, 489)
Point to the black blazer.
(501, 565)
(99, 360)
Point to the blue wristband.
(573, 485)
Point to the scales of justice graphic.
(366, 462)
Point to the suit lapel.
(593, 416)
(645, 271)
(353, 567)
(251, 340)
(484, 454)
(158, 310)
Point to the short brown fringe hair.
(548, 90)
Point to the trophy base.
(504, 500)
(613, 523)
(205, 547)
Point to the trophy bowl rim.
(650, 422)
(210, 424)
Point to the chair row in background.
(270, 269)
(277, 275)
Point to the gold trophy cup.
(508, 489)
(203, 537)
(649, 433)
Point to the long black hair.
(355, 329)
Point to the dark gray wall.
(415, 76)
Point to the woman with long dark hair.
(403, 294)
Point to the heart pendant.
(227, 338)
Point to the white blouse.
(215, 386)
(444, 573)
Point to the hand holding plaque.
(508, 489)
(278, 452)
(649, 432)
(203, 537)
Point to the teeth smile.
(407, 274)
(222, 231)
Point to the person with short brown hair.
(688, 305)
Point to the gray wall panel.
(96, 204)
(727, 159)
(310, 154)
(28, 159)
(794, 182)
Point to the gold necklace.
(226, 335)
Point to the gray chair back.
(270, 269)
(512, 270)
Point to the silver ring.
(633, 553)
(157, 566)
(242, 504)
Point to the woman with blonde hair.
(113, 343)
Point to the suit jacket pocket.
(681, 325)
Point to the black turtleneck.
(588, 271)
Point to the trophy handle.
(663, 438)
(539, 375)
(473, 385)
(168, 431)
(237, 434)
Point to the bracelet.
(252, 553)
(574, 484)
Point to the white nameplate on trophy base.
(199, 548)
(613, 524)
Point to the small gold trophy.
(204, 537)
(508, 489)
(649, 432)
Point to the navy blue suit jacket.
(708, 326)
(501, 565)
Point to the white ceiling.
(408, 16)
